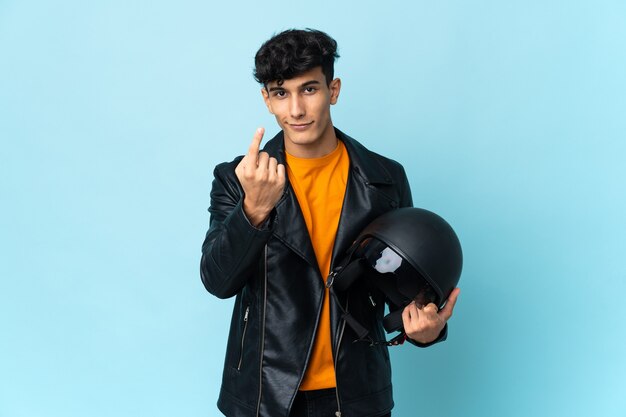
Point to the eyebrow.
(305, 84)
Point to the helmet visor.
(387, 264)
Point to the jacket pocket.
(243, 336)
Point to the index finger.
(446, 311)
(253, 150)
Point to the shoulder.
(225, 169)
(225, 180)
(370, 160)
(390, 164)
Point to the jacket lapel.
(290, 226)
(362, 202)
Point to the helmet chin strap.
(392, 322)
(341, 279)
(363, 333)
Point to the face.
(301, 106)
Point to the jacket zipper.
(243, 336)
(343, 326)
(258, 405)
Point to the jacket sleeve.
(232, 246)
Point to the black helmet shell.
(426, 241)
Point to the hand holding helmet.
(424, 324)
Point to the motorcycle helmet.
(410, 254)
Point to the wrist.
(255, 216)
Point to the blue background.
(508, 116)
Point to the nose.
(296, 108)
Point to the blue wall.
(510, 118)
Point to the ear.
(335, 88)
(266, 98)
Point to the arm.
(240, 225)
(232, 245)
(424, 327)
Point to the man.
(281, 220)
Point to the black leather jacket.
(273, 272)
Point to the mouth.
(300, 126)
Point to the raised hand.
(262, 179)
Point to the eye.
(310, 90)
(280, 94)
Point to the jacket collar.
(366, 172)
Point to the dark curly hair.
(292, 52)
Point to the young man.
(281, 219)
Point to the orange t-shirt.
(320, 185)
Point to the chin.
(302, 138)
